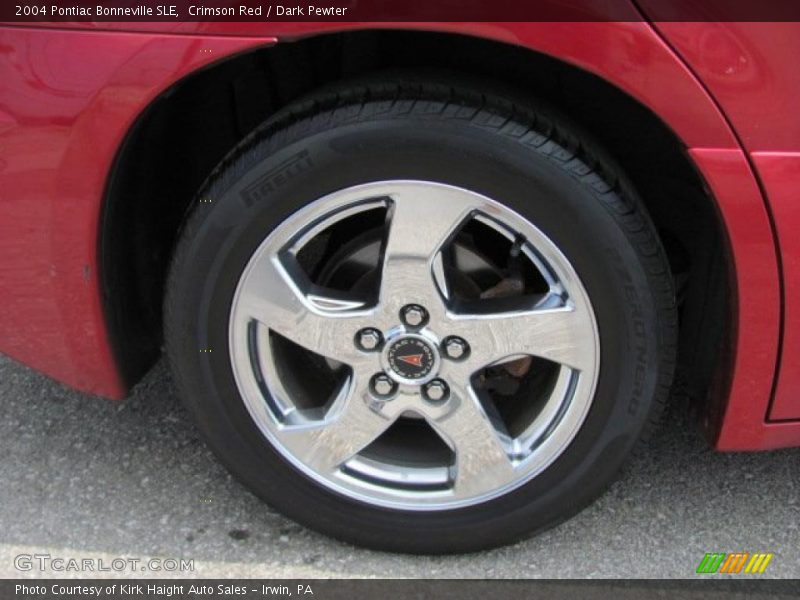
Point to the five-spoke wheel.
(411, 346)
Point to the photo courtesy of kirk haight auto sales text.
(162, 591)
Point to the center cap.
(411, 359)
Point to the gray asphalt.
(84, 477)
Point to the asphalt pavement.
(82, 477)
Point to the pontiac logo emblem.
(411, 358)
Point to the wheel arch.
(180, 136)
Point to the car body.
(83, 260)
(70, 98)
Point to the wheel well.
(179, 139)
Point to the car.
(424, 287)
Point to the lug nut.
(455, 348)
(369, 339)
(436, 390)
(414, 315)
(382, 385)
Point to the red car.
(424, 286)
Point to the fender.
(748, 66)
(67, 103)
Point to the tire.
(544, 177)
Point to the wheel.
(421, 318)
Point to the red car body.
(70, 94)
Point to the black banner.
(60, 11)
(317, 589)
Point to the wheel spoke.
(563, 335)
(277, 294)
(482, 462)
(420, 222)
(350, 426)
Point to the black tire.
(492, 143)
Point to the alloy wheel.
(446, 360)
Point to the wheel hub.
(411, 358)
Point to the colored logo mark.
(412, 359)
(736, 562)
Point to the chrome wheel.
(413, 345)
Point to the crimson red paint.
(780, 174)
(67, 101)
